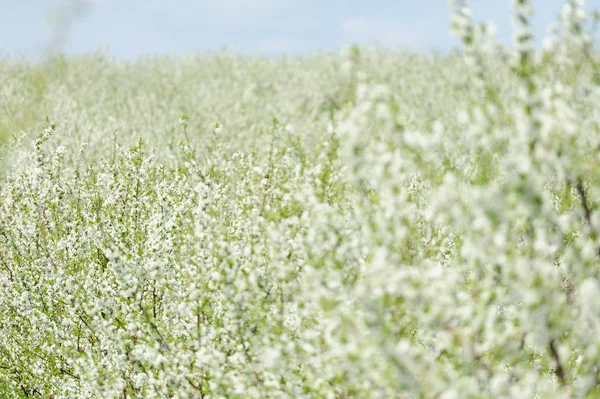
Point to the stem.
(559, 371)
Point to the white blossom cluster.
(375, 225)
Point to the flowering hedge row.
(374, 225)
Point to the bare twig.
(559, 370)
(584, 202)
(587, 210)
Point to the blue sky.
(129, 28)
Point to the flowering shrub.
(376, 225)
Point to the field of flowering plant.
(370, 225)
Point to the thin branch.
(587, 210)
(559, 370)
(584, 202)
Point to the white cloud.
(386, 32)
